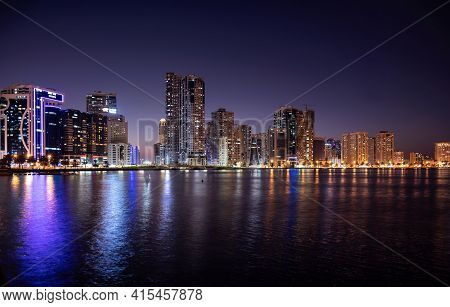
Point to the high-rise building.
(26, 112)
(333, 151)
(258, 150)
(119, 154)
(234, 146)
(223, 151)
(160, 147)
(158, 154)
(354, 148)
(398, 158)
(117, 129)
(75, 135)
(442, 152)
(54, 138)
(221, 126)
(306, 138)
(384, 147)
(286, 124)
(173, 117)
(371, 151)
(101, 103)
(271, 147)
(185, 115)
(162, 131)
(210, 147)
(97, 138)
(245, 135)
(192, 127)
(135, 155)
(319, 149)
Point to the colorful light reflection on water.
(253, 227)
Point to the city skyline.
(388, 90)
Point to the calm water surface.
(226, 228)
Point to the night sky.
(254, 57)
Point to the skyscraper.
(26, 111)
(319, 149)
(75, 135)
(54, 129)
(173, 117)
(117, 129)
(162, 131)
(224, 144)
(384, 147)
(234, 146)
(192, 127)
(371, 151)
(333, 151)
(306, 137)
(355, 148)
(286, 123)
(245, 135)
(185, 115)
(97, 138)
(101, 103)
(222, 122)
(160, 151)
(258, 150)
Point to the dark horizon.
(253, 58)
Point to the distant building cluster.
(185, 138)
(34, 125)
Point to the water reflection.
(253, 227)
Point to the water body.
(227, 228)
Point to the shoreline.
(60, 171)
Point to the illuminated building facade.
(355, 148)
(97, 138)
(398, 158)
(442, 152)
(101, 103)
(117, 129)
(245, 134)
(306, 137)
(234, 147)
(26, 112)
(258, 150)
(158, 154)
(162, 131)
(223, 151)
(319, 149)
(192, 125)
(221, 126)
(371, 151)
(384, 147)
(286, 128)
(160, 151)
(173, 104)
(75, 135)
(333, 151)
(135, 155)
(119, 154)
(416, 158)
(185, 116)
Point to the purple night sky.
(253, 57)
